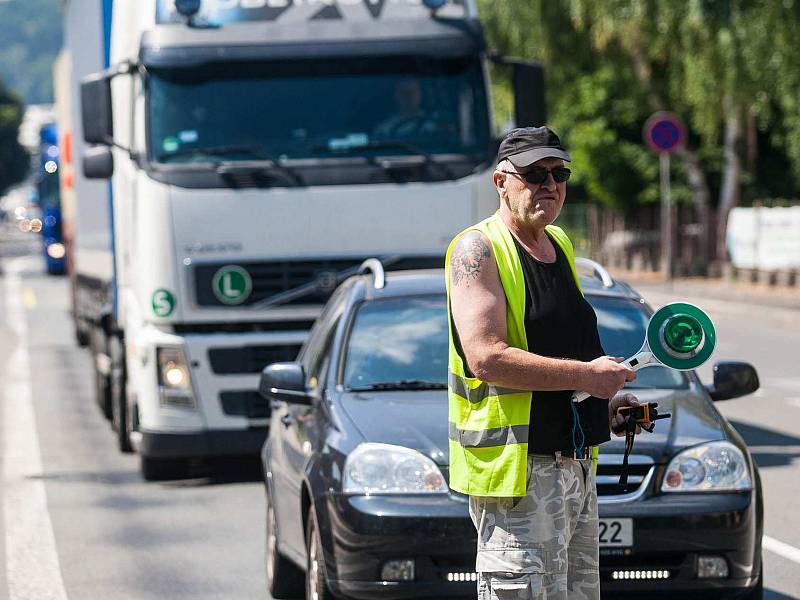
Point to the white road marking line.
(781, 549)
(32, 566)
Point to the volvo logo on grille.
(327, 280)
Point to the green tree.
(727, 66)
(13, 157)
(30, 38)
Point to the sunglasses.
(538, 175)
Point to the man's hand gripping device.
(643, 416)
(679, 336)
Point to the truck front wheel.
(119, 399)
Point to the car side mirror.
(98, 163)
(733, 379)
(284, 381)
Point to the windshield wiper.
(403, 384)
(250, 150)
(260, 163)
(413, 150)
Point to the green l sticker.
(232, 284)
(163, 302)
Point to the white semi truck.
(259, 151)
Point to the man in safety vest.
(522, 338)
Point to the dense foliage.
(13, 158)
(728, 67)
(30, 38)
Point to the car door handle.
(287, 420)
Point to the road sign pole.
(666, 217)
(664, 133)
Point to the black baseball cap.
(525, 145)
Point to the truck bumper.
(203, 444)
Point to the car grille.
(249, 359)
(244, 403)
(609, 468)
(275, 277)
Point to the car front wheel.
(316, 580)
(757, 593)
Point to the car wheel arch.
(305, 505)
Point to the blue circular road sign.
(664, 132)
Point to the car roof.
(431, 281)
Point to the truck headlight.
(711, 467)
(387, 469)
(174, 382)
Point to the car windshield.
(404, 340)
(396, 340)
(317, 109)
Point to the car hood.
(414, 419)
(418, 420)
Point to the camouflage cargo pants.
(543, 546)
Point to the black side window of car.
(318, 370)
(309, 354)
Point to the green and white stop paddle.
(679, 336)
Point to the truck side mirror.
(96, 115)
(529, 103)
(528, 81)
(98, 162)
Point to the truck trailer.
(259, 151)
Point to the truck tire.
(162, 469)
(81, 335)
(284, 579)
(119, 398)
(102, 390)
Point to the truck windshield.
(317, 109)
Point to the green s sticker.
(163, 302)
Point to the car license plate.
(616, 533)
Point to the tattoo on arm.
(467, 259)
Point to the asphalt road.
(80, 523)
(764, 333)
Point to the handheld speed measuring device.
(679, 336)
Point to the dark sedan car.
(356, 464)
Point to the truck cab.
(259, 152)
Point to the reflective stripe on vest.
(477, 394)
(489, 424)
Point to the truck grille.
(249, 359)
(276, 277)
(244, 403)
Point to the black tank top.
(560, 323)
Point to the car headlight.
(387, 469)
(711, 467)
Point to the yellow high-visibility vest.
(489, 424)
